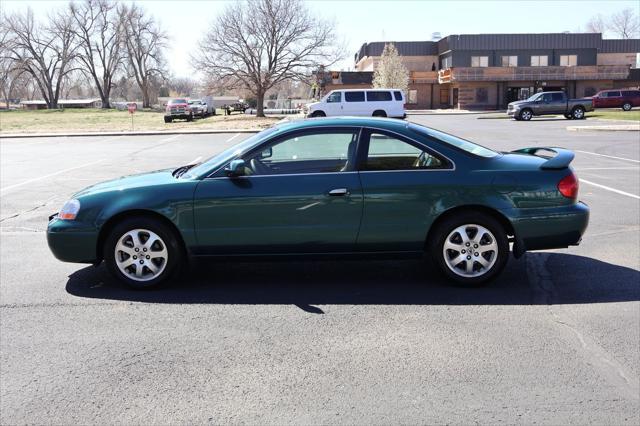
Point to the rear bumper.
(549, 228)
(71, 241)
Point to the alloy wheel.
(141, 255)
(470, 250)
(578, 113)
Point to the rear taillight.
(568, 186)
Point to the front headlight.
(70, 210)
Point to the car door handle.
(338, 192)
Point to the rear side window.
(557, 97)
(613, 94)
(378, 96)
(354, 96)
(398, 95)
(631, 93)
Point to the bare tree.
(597, 24)
(183, 86)
(143, 41)
(625, 24)
(96, 25)
(257, 44)
(45, 52)
(391, 72)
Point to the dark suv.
(619, 98)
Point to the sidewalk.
(126, 133)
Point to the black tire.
(568, 116)
(167, 119)
(526, 114)
(190, 117)
(626, 106)
(317, 114)
(379, 113)
(168, 237)
(577, 113)
(444, 229)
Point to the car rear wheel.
(470, 248)
(379, 113)
(142, 252)
(578, 113)
(626, 106)
(526, 114)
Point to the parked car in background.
(334, 186)
(177, 108)
(550, 103)
(618, 98)
(359, 102)
(198, 108)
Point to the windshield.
(177, 101)
(195, 103)
(463, 144)
(228, 154)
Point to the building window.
(509, 61)
(479, 61)
(568, 60)
(482, 95)
(539, 61)
(413, 97)
(446, 62)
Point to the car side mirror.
(235, 168)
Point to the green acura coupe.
(339, 186)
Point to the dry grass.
(97, 120)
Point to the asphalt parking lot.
(555, 340)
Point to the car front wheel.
(526, 114)
(470, 248)
(626, 106)
(142, 252)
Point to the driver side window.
(335, 97)
(319, 152)
(390, 153)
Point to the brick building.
(487, 71)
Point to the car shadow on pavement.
(564, 278)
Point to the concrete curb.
(142, 133)
(432, 112)
(609, 128)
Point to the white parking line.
(608, 168)
(6, 188)
(170, 138)
(608, 156)
(608, 188)
(233, 137)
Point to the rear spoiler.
(561, 159)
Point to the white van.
(359, 102)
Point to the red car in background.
(177, 108)
(617, 98)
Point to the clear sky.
(360, 21)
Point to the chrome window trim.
(362, 128)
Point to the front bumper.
(549, 228)
(71, 241)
